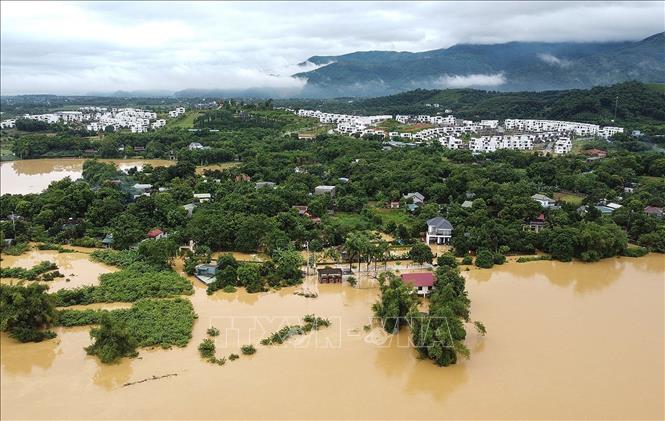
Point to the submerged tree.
(25, 311)
(397, 301)
(112, 341)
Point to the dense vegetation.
(26, 312)
(149, 322)
(127, 285)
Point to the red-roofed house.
(423, 282)
(156, 233)
(654, 211)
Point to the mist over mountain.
(513, 66)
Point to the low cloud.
(553, 60)
(469, 81)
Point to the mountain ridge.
(512, 66)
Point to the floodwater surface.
(565, 341)
(77, 268)
(34, 175)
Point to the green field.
(572, 198)
(186, 121)
(398, 216)
(659, 87)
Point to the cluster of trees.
(438, 333)
(282, 270)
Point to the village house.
(422, 282)
(156, 234)
(265, 184)
(394, 204)
(467, 204)
(205, 272)
(545, 202)
(189, 208)
(325, 190)
(202, 197)
(415, 198)
(537, 224)
(563, 146)
(330, 275)
(194, 146)
(107, 241)
(438, 229)
(654, 211)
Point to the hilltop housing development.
(477, 136)
(96, 119)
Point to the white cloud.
(469, 81)
(79, 47)
(553, 60)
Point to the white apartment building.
(563, 146)
(7, 124)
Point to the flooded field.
(565, 341)
(34, 175)
(77, 267)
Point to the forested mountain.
(514, 66)
(636, 103)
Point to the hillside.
(514, 66)
(638, 104)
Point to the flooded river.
(34, 175)
(565, 341)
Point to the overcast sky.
(79, 47)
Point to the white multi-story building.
(563, 146)
(7, 124)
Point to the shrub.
(212, 331)
(447, 259)
(525, 259)
(229, 289)
(248, 349)
(29, 274)
(484, 259)
(233, 357)
(636, 251)
(16, 250)
(112, 341)
(120, 258)
(467, 260)
(207, 348)
(352, 281)
(499, 259)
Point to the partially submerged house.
(422, 282)
(107, 242)
(205, 272)
(330, 275)
(439, 229)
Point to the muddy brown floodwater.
(34, 175)
(77, 267)
(565, 341)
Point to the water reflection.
(18, 358)
(583, 277)
(111, 376)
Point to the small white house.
(202, 197)
(440, 230)
(544, 201)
